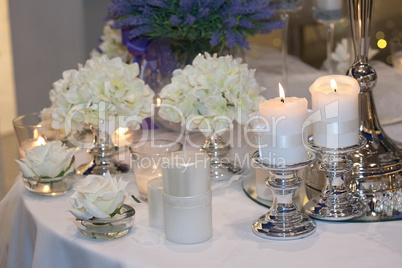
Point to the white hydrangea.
(211, 93)
(102, 86)
(111, 44)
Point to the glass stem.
(330, 43)
(285, 19)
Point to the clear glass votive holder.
(32, 131)
(147, 159)
(110, 228)
(50, 186)
(188, 220)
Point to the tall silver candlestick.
(378, 165)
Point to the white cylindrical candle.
(338, 108)
(329, 4)
(187, 174)
(188, 220)
(155, 203)
(282, 141)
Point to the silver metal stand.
(283, 221)
(378, 165)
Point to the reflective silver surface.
(283, 221)
(378, 165)
(221, 167)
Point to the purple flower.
(230, 22)
(189, 21)
(215, 38)
(204, 12)
(175, 20)
(186, 5)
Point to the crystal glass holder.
(335, 202)
(283, 221)
(110, 228)
(49, 186)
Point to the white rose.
(50, 160)
(98, 196)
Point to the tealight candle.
(29, 144)
(282, 141)
(335, 97)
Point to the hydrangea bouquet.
(190, 27)
(102, 86)
(211, 93)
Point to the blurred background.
(40, 39)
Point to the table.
(40, 232)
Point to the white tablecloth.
(40, 232)
(44, 234)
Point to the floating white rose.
(50, 160)
(98, 196)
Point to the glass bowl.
(109, 228)
(49, 186)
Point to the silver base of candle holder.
(283, 221)
(335, 203)
(221, 167)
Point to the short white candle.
(329, 4)
(338, 108)
(284, 117)
(188, 174)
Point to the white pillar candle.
(338, 108)
(282, 141)
(155, 203)
(329, 4)
(187, 174)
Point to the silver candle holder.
(335, 202)
(378, 165)
(283, 221)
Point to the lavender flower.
(192, 25)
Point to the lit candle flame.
(40, 141)
(158, 102)
(334, 86)
(281, 93)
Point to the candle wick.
(335, 89)
(282, 100)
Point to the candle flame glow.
(158, 102)
(281, 93)
(40, 141)
(334, 86)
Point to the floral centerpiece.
(101, 86)
(211, 93)
(99, 207)
(48, 168)
(100, 93)
(185, 28)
